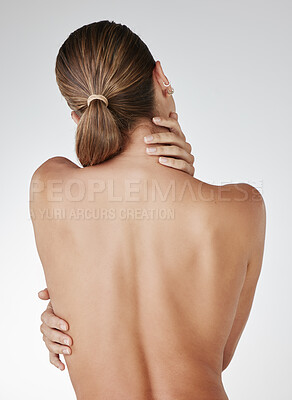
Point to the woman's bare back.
(154, 270)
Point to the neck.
(136, 148)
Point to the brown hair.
(109, 59)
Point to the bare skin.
(52, 326)
(156, 306)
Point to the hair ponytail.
(98, 137)
(109, 59)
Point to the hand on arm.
(52, 328)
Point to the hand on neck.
(137, 146)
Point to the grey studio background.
(230, 64)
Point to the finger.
(172, 151)
(44, 294)
(55, 360)
(174, 115)
(170, 123)
(55, 335)
(168, 138)
(177, 164)
(49, 318)
(56, 348)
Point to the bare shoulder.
(243, 198)
(249, 201)
(55, 169)
(230, 202)
(52, 166)
(243, 213)
(236, 211)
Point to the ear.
(159, 75)
(75, 117)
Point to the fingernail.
(163, 160)
(148, 139)
(66, 351)
(63, 327)
(66, 341)
(156, 119)
(60, 368)
(151, 149)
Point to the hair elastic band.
(97, 96)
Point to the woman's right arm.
(172, 146)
